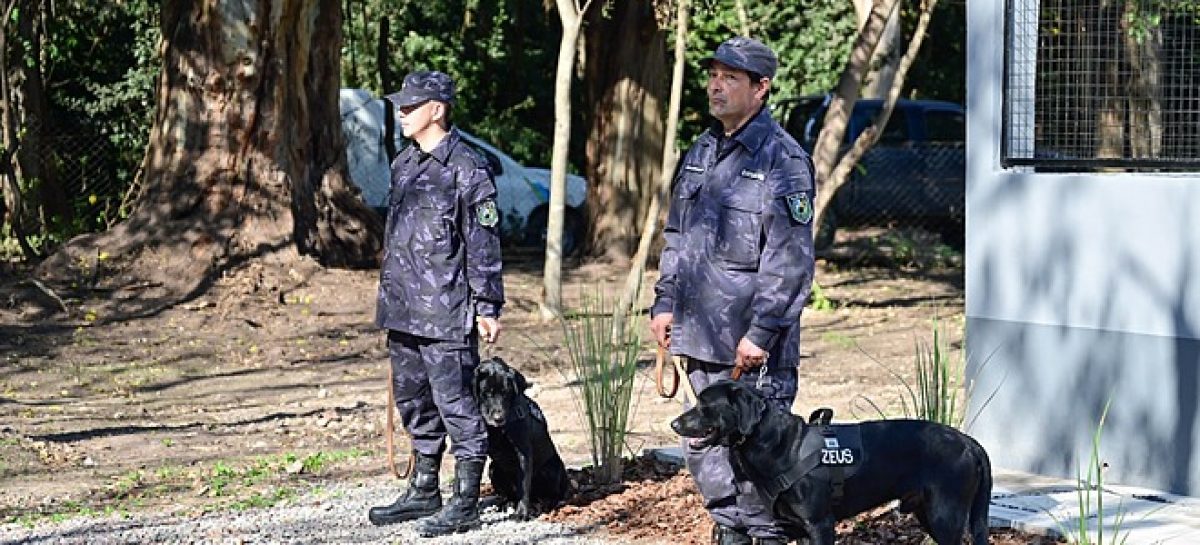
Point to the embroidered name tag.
(754, 175)
(693, 168)
(835, 455)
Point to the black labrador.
(526, 470)
(816, 474)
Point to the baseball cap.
(745, 54)
(424, 85)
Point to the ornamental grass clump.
(604, 355)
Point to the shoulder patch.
(800, 206)
(486, 213)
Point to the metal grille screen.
(1102, 84)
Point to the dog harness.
(827, 452)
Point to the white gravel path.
(335, 514)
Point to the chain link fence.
(905, 199)
(1092, 85)
(81, 164)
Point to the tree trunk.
(10, 143)
(743, 18)
(1145, 87)
(625, 88)
(53, 204)
(633, 281)
(885, 61)
(246, 156)
(868, 137)
(571, 15)
(1110, 106)
(827, 151)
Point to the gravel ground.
(334, 514)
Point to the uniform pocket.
(739, 230)
(433, 223)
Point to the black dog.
(526, 469)
(815, 475)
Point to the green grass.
(224, 485)
(839, 339)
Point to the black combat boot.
(461, 513)
(724, 535)
(420, 500)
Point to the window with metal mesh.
(1102, 84)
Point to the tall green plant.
(604, 363)
(939, 384)
(1090, 481)
(940, 388)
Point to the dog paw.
(524, 512)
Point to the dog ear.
(749, 409)
(522, 384)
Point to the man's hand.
(749, 355)
(489, 328)
(660, 326)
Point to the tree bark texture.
(828, 149)
(626, 86)
(1145, 87)
(246, 156)
(35, 158)
(571, 15)
(670, 155)
(841, 174)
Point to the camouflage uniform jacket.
(441, 262)
(738, 259)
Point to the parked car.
(523, 193)
(914, 174)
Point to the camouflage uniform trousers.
(729, 497)
(431, 380)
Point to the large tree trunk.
(670, 155)
(246, 156)
(625, 88)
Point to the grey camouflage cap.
(745, 54)
(424, 85)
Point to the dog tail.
(983, 497)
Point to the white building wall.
(1081, 288)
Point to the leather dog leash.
(391, 432)
(677, 371)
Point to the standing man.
(737, 267)
(440, 277)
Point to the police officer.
(440, 278)
(737, 267)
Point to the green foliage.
(811, 37)
(818, 300)
(604, 363)
(99, 65)
(500, 53)
(940, 69)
